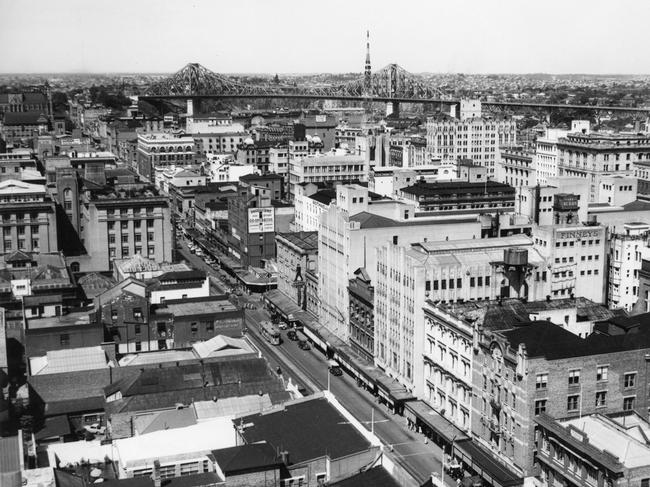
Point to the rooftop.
(457, 188)
(78, 318)
(302, 240)
(306, 429)
(195, 480)
(376, 476)
(370, 220)
(629, 444)
(473, 244)
(25, 118)
(199, 438)
(242, 459)
(196, 306)
(69, 360)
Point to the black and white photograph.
(284, 243)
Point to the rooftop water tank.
(515, 257)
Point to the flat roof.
(307, 429)
(80, 318)
(199, 439)
(608, 435)
(190, 307)
(471, 244)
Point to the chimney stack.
(285, 457)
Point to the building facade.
(362, 314)
(625, 255)
(470, 136)
(29, 220)
(297, 254)
(163, 149)
(594, 155)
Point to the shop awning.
(485, 465)
(429, 416)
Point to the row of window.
(456, 283)
(151, 251)
(573, 402)
(571, 243)
(125, 224)
(629, 379)
(137, 237)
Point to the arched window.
(74, 267)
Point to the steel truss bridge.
(392, 84)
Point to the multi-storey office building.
(218, 143)
(350, 232)
(255, 153)
(546, 154)
(576, 259)
(625, 254)
(470, 136)
(338, 165)
(163, 149)
(460, 270)
(23, 126)
(119, 222)
(442, 196)
(28, 218)
(251, 218)
(594, 155)
(516, 167)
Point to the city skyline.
(285, 37)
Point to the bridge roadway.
(418, 458)
(384, 99)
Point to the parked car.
(292, 335)
(303, 345)
(95, 429)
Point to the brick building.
(538, 367)
(362, 316)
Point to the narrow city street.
(409, 449)
(308, 370)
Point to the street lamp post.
(442, 467)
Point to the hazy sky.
(470, 36)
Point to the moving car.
(303, 345)
(334, 368)
(283, 325)
(292, 335)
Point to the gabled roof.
(220, 343)
(18, 256)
